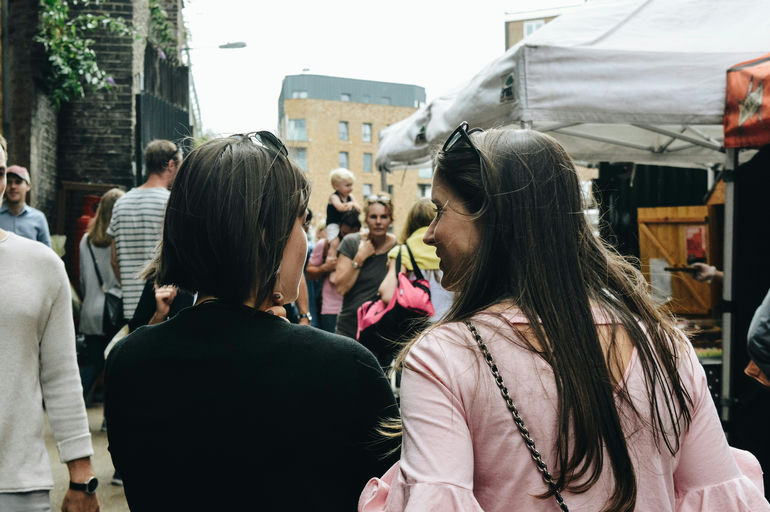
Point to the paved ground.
(111, 497)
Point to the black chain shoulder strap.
(541, 466)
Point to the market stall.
(627, 81)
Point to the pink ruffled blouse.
(461, 450)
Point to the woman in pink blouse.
(609, 394)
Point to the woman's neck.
(378, 241)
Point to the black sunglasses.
(266, 140)
(462, 134)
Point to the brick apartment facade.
(321, 104)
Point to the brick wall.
(96, 133)
(42, 156)
(21, 58)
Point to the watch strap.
(88, 487)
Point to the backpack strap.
(415, 268)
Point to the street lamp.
(229, 46)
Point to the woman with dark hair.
(362, 262)
(604, 405)
(227, 406)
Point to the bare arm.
(114, 260)
(338, 204)
(346, 275)
(77, 501)
(388, 285)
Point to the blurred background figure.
(340, 201)
(322, 265)
(96, 277)
(419, 218)
(16, 215)
(362, 262)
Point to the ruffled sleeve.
(711, 476)
(390, 493)
(437, 464)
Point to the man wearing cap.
(18, 217)
(38, 366)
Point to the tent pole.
(383, 180)
(731, 163)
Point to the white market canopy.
(623, 80)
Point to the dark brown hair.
(229, 216)
(158, 153)
(538, 251)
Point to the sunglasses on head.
(265, 139)
(378, 199)
(460, 136)
(268, 141)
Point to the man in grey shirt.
(38, 366)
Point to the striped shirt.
(136, 225)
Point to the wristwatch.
(89, 487)
(356, 265)
(308, 316)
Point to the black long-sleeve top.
(226, 408)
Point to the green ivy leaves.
(71, 68)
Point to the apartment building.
(329, 122)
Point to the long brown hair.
(538, 251)
(97, 227)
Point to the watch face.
(92, 484)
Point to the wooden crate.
(663, 233)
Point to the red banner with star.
(747, 107)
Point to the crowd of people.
(546, 379)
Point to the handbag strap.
(536, 458)
(415, 268)
(96, 267)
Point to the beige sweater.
(37, 365)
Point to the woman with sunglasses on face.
(362, 262)
(227, 406)
(553, 382)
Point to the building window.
(296, 130)
(367, 162)
(342, 130)
(299, 94)
(425, 172)
(390, 190)
(386, 100)
(367, 189)
(344, 159)
(345, 96)
(299, 157)
(366, 132)
(531, 26)
(424, 189)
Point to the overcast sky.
(437, 44)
